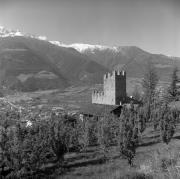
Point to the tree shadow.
(85, 163)
(151, 137)
(150, 143)
(79, 157)
(176, 137)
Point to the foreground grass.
(153, 160)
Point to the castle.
(114, 89)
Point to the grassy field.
(154, 159)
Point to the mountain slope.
(22, 69)
(30, 64)
(72, 64)
(133, 60)
(130, 58)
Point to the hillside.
(29, 64)
(133, 60)
(130, 58)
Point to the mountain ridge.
(24, 56)
(34, 62)
(81, 47)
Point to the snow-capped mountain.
(84, 47)
(9, 33)
(4, 32)
(58, 43)
(30, 63)
(81, 47)
(130, 58)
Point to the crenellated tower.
(114, 89)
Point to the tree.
(84, 134)
(149, 84)
(167, 124)
(155, 115)
(103, 137)
(60, 136)
(4, 146)
(141, 120)
(172, 91)
(128, 135)
(26, 151)
(107, 133)
(92, 131)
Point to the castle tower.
(120, 87)
(114, 89)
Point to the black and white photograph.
(89, 89)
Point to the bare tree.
(136, 93)
(149, 84)
(172, 92)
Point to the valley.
(45, 86)
(70, 99)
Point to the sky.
(153, 25)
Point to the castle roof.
(100, 109)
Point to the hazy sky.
(153, 25)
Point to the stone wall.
(114, 89)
